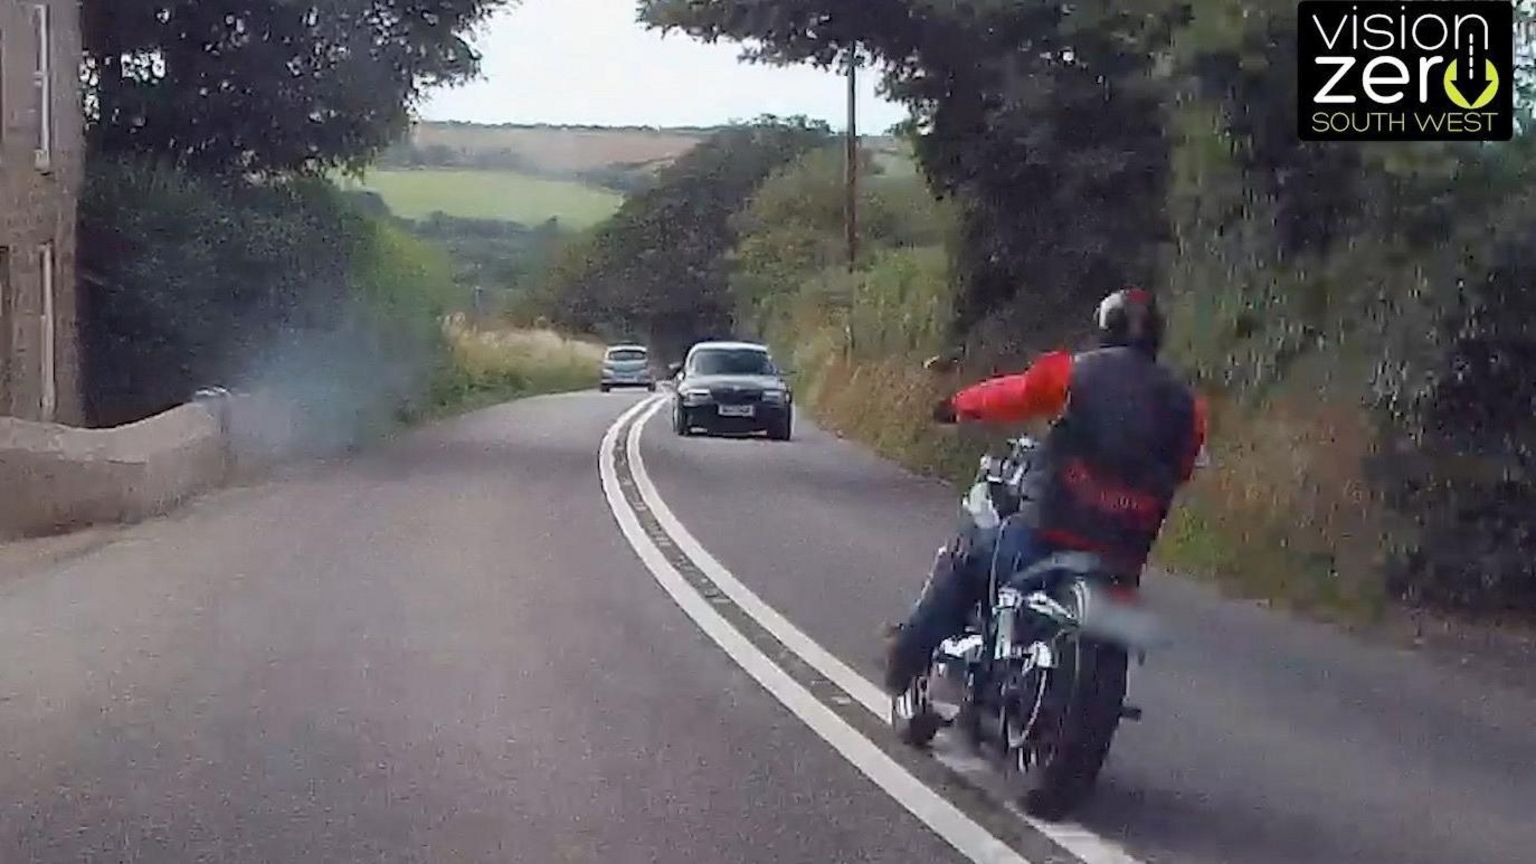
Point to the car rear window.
(627, 355)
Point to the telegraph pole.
(851, 169)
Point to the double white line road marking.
(936, 811)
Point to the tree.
(193, 281)
(268, 86)
(658, 268)
(1019, 109)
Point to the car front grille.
(736, 396)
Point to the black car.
(732, 387)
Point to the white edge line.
(1081, 842)
(944, 818)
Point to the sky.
(591, 62)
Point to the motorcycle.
(1037, 680)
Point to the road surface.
(478, 645)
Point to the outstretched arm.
(1040, 391)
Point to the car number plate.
(736, 410)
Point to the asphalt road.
(446, 651)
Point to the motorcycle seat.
(1068, 563)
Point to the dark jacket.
(1126, 437)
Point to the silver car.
(626, 366)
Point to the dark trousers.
(959, 581)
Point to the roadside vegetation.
(492, 364)
(216, 250)
(659, 268)
(1360, 316)
(196, 282)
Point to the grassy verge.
(489, 194)
(488, 366)
(1284, 512)
(885, 405)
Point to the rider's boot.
(940, 612)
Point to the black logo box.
(1339, 28)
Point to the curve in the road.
(623, 468)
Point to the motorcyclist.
(1127, 434)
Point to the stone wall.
(55, 478)
(61, 477)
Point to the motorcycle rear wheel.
(1055, 767)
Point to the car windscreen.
(626, 355)
(731, 361)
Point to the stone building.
(42, 156)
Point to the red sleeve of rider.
(1039, 391)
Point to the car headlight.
(695, 395)
(777, 397)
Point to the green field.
(506, 195)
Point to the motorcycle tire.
(1085, 695)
